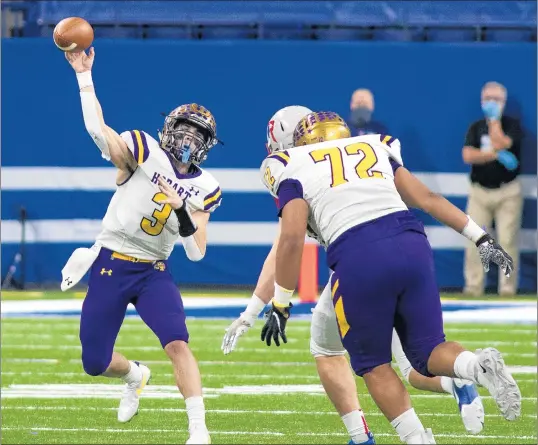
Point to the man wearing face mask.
(360, 120)
(492, 148)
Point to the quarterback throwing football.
(162, 194)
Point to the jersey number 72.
(335, 157)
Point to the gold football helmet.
(189, 133)
(320, 126)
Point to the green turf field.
(48, 399)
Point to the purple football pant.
(384, 277)
(115, 283)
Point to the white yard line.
(198, 349)
(47, 361)
(226, 411)
(111, 391)
(244, 433)
(294, 325)
(169, 374)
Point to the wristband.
(282, 296)
(254, 306)
(472, 231)
(84, 79)
(187, 227)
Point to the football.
(73, 34)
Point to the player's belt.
(132, 259)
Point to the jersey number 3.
(160, 215)
(334, 156)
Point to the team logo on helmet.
(189, 132)
(319, 127)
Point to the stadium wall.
(426, 93)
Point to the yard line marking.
(43, 361)
(168, 374)
(131, 338)
(512, 369)
(60, 323)
(197, 349)
(108, 391)
(253, 433)
(137, 339)
(227, 411)
(115, 430)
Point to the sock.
(408, 425)
(446, 384)
(195, 412)
(356, 426)
(134, 375)
(465, 366)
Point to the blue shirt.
(371, 127)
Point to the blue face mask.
(360, 116)
(491, 109)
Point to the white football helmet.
(281, 126)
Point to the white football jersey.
(135, 223)
(345, 182)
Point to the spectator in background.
(492, 148)
(360, 120)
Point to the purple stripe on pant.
(387, 279)
(115, 283)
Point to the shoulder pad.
(209, 194)
(272, 170)
(393, 145)
(140, 143)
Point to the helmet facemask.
(185, 141)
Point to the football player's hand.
(491, 252)
(81, 61)
(172, 197)
(275, 325)
(236, 330)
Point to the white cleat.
(200, 437)
(494, 376)
(469, 404)
(425, 437)
(131, 395)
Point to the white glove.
(236, 330)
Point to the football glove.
(236, 330)
(275, 324)
(491, 252)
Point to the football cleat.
(131, 395)
(199, 436)
(370, 441)
(425, 437)
(493, 375)
(469, 404)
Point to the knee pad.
(324, 336)
(94, 365)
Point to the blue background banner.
(427, 94)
